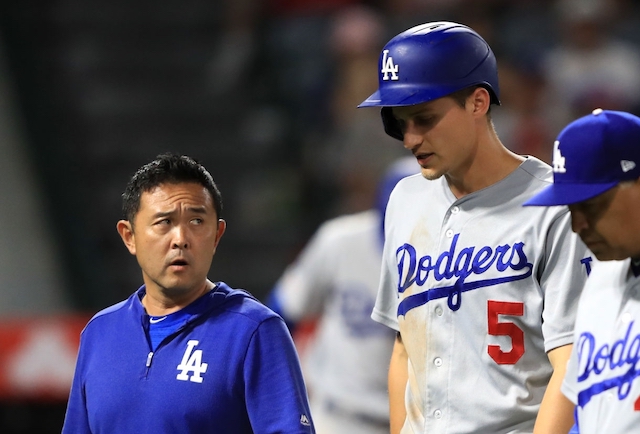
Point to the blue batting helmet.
(428, 62)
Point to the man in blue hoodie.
(183, 354)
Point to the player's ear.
(125, 229)
(222, 226)
(479, 101)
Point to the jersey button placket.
(452, 211)
(439, 374)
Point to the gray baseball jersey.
(480, 289)
(336, 279)
(602, 374)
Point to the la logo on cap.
(558, 159)
(627, 165)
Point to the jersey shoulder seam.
(545, 176)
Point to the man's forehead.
(172, 193)
(598, 200)
(405, 112)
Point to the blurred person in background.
(589, 66)
(344, 153)
(183, 354)
(333, 284)
(520, 122)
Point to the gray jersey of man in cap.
(596, 163)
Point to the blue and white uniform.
(481, 288)
(335, 279)
(231, 367)
(602, 374)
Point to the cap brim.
(567, 193)
(401, 97)
(373, 101)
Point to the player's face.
(174, 237)
(609, 224)
(441, 134)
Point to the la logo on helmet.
(388, 67)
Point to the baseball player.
(596, 165)
(481, 290)
(335, 279)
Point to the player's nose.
(412, 138)
(578, 220)
(180, 237)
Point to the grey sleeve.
(562, 279)
(385, 310)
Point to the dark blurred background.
(264, 94)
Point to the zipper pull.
(149, 357)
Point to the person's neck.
(491, 164)
(159, 301)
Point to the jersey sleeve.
(562, 278)
(385, 310)
(276, 395)
(76, 420)
(584, 318)
(304, 286)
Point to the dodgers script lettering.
(460, 265)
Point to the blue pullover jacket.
(231, 368)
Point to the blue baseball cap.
(592, 155)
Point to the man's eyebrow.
(416, 112)
(192, 209)
(162, 214)
(197, 209)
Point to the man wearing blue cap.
(596, 164)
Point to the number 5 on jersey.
(497, 328)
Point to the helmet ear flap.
(391, 124)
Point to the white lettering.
(388, 67)
(192, 362)
(558, 159)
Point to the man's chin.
(608, 255)
(178, 288)
(430, 174)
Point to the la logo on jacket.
(192, 362)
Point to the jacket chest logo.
(192, 363)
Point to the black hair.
(172, 169)
(461, 96)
